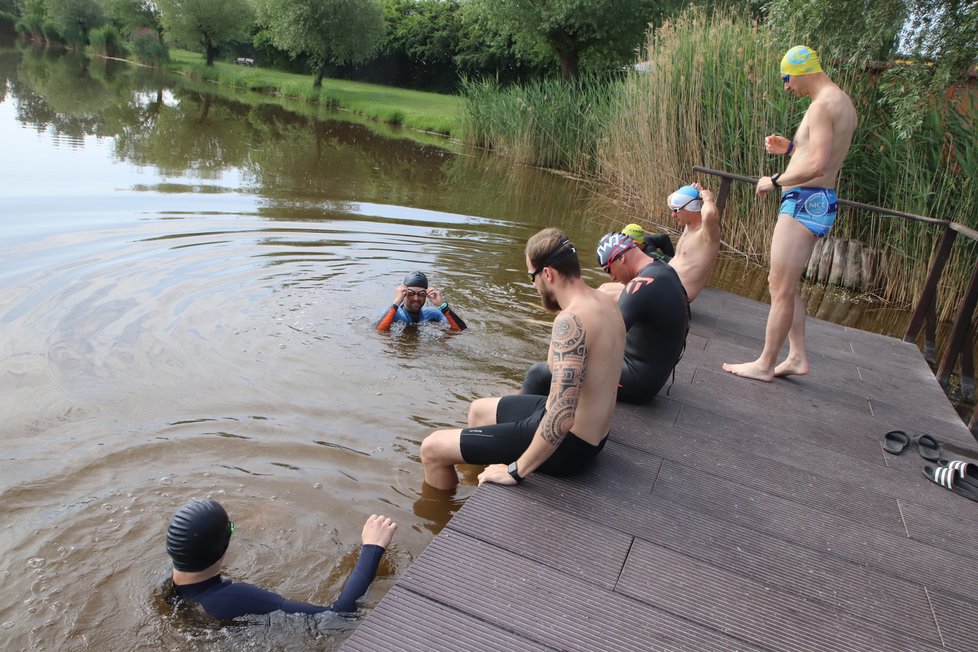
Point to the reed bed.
(545, 122)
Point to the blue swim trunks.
(816, 208)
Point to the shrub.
(107, 40)
(146, 47)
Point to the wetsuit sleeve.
(235, 599)
(453, 319)
(385, 321)
(361, 577)
(662, 242)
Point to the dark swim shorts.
(517, 418)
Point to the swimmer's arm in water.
(454, 321)
(385, 321)
(376, 537)
(569, 360)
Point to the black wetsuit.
(225, 599)
(659, 246)
(656, 313)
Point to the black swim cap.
(416, 280)
(198, 535)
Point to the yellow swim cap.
(800, 60)
(636, 233)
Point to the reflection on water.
(185, 302)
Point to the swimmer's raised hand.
(378, 530)
(434, 295)
(775, 144)
(400, 294)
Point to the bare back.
(824, 133)
(602, 328)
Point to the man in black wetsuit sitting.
(198, 537)
(656, 313)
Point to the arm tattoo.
(569, 347)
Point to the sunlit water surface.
(186, 296)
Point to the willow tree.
(571, 29)
(206, 22)
(324, 31)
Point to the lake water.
(186, 294)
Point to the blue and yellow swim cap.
(800, 60)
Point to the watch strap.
(514, 472)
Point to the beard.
(548, 300)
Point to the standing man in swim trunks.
(409, 305)
(656, 313)
(808, 206)
(530, 433)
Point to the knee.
(429, 448)
(537, 379)
(781, 290)
(441, 448)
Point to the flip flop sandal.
(928, 447)
(966, 471)
(945, 477)
(895, 442)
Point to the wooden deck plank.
(749, 609)
(499, 587)
(726, 514)
(408, 621)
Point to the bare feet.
(791, 367)
(750, 370)
(378, 531)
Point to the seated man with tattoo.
(560, 433)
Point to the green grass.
(431, 112)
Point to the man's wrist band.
(774, 179)
(791, 146)
(443, 307)
(514, 472)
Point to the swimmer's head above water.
(686, 198)
(198, 535)
(416, 280)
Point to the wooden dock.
(728, 515)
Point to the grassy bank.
(431, 112)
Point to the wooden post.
(959, 332)
(722, 195)
(928, 295)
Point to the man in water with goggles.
(408, 306)
(808, 207)
(560, 432)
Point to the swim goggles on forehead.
(676, 209)
(559, 252)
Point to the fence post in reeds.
(959, 343)
(722, 196)
(926, 309)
